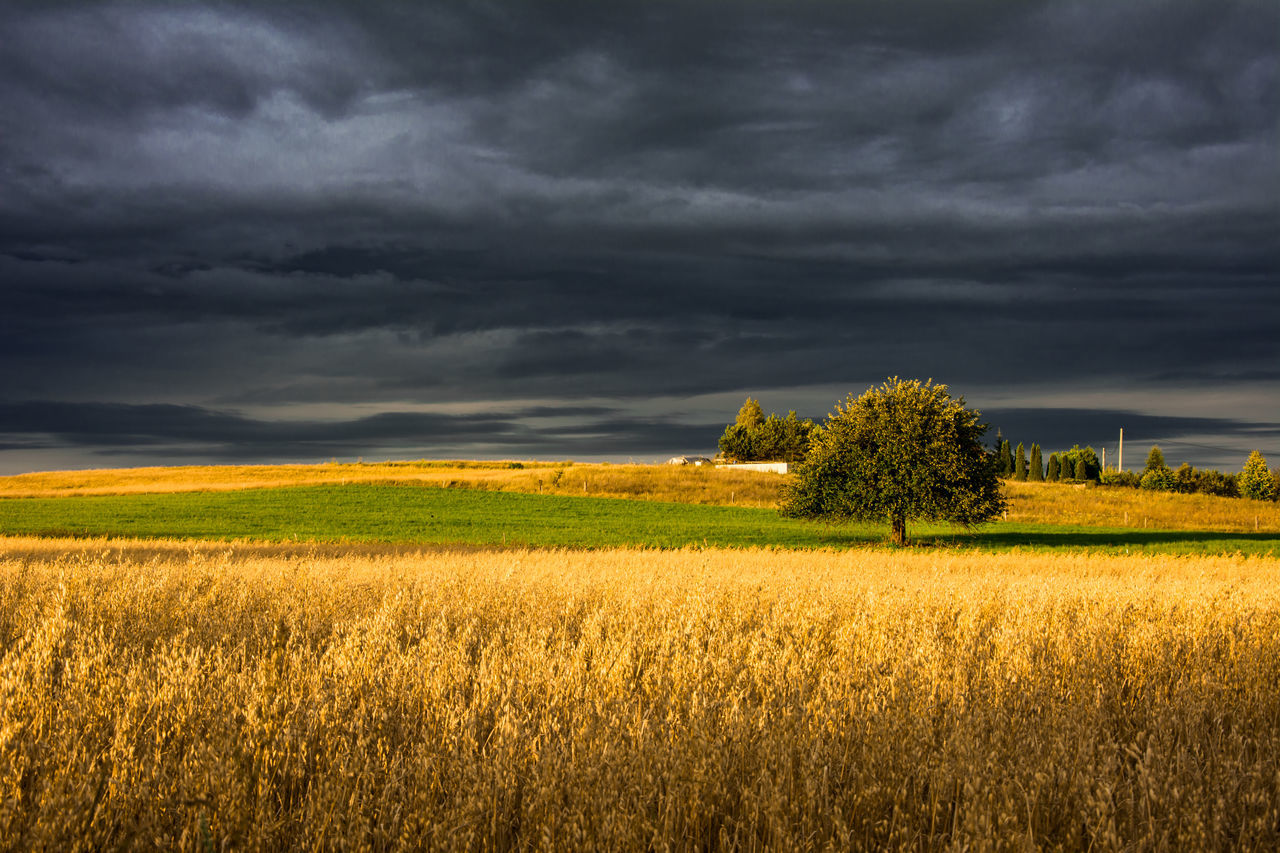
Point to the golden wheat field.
(213, 696)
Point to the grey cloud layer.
(194, 432)
(183, 433)
(217, 204)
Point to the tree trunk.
(899, 523)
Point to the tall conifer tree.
(1255, 479)
(751, 414)
(1055, 468)
(1020, 466)
(1004, 463)
(1037, 464)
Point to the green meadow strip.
(430, 515)
(400, 513)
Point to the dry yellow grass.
(1055, 503)
(185, 478)
(683, 484)
(211, 696)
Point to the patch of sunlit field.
(1057, 503)
(1035, 503)
(211, 696)
(684, 484)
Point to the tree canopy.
(903, 451)
(750, 415)
(754, 438)
(1071, 467)
(1157, 476)
(1004, 459)
(1255, 480)
(1055, 468)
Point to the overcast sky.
(587, 230)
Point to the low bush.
(1157, 480)
(1126, 479)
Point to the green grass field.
(427, 515)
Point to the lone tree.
(1255, 480)
(905, 450)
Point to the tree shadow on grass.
(1196, 541)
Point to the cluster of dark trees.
(1079, 464)
(1255, 481)
(754, 438)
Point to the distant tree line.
(1081, 465)
(753, 437)
(1254, 481)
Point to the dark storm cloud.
(130, 426)
(265, 204)
(197, 432)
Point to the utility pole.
(1104, 458)
(1120, 461)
